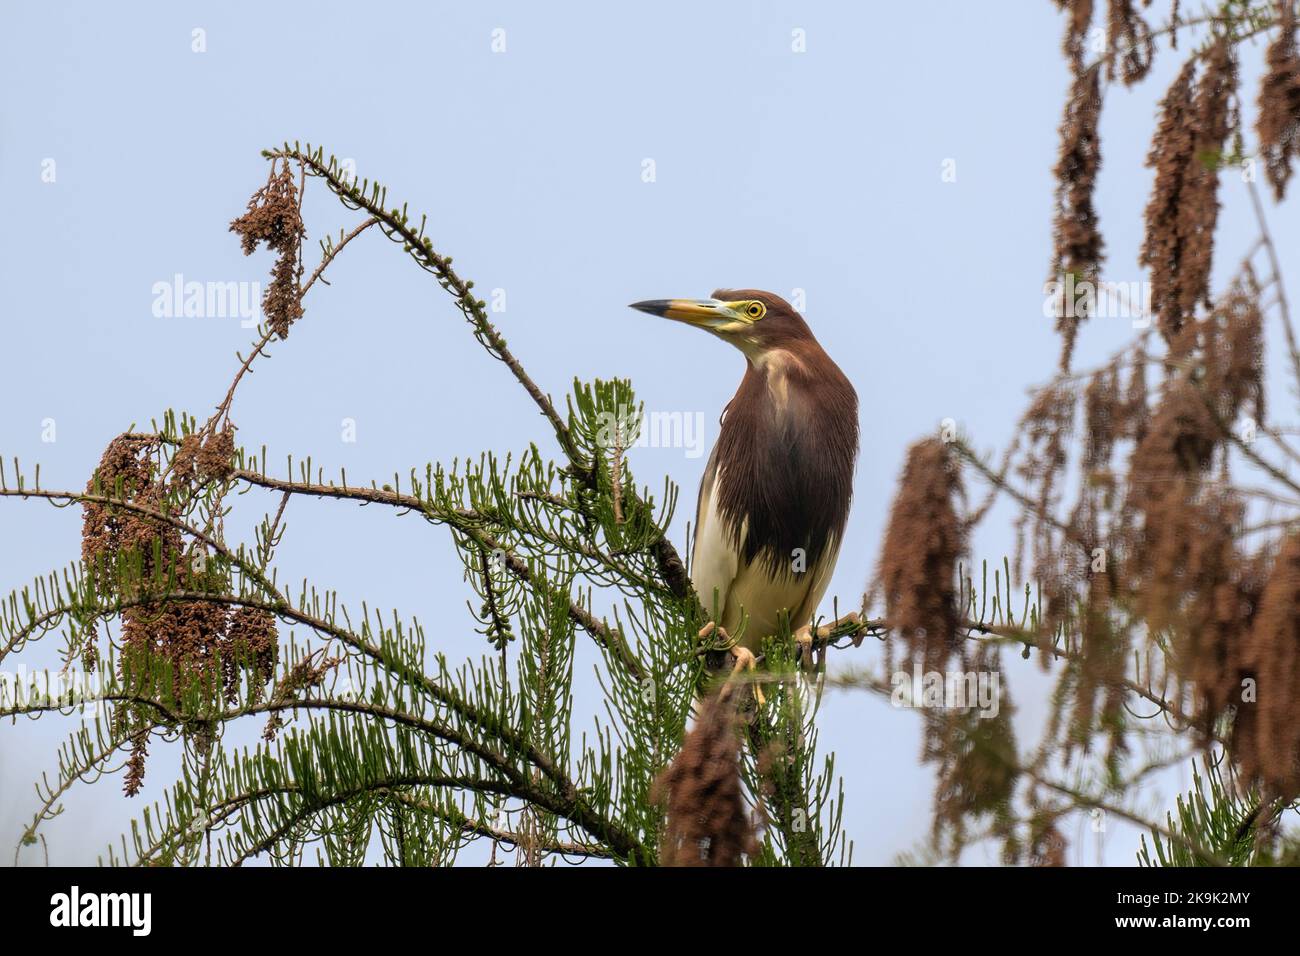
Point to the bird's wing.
(714, 559)
(763, 597)
(747, 589)
(819, 579)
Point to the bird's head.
(755, 322)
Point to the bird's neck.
(785, 454)
(796, 406)
(788, 387)
(769, 377)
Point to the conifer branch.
(397, 227)
(464, 520)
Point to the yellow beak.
(710, 314)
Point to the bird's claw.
(745, 664)
(806, 644)
(804, 647)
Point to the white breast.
(739, 590)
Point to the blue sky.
(819, 170)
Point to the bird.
(777, 488)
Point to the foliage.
(375, 743)
(1157, 535)
(1222, 820)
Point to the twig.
(466, 522)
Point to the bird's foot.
(804, 648)
(745, 664)
(807, 643)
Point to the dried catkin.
(1232, 350)
(1223, 591)
(1077, 240)
(1165, 474)
(1129, 40)
(1078, 17)
(924, 542)
(1278, 121)
(708, 821)
(130, 554)
(1266, 735)
(273, 218)
(1195, 119)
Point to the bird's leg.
(806, 644)
(745, 660)
(803, 642)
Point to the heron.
(776, 490)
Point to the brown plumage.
(776, 491)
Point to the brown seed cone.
(251, 639)
(135, 765)
(924, 541)
(202, 641)
(1077, 238)
(1278, 122)
(126, 471)
(1136, 414)
(1195, 120)
(1129, 40)
(214, 461)
(1266, 734)
(708, 822)
(1079, 16)
(1233, 352)
(1162, 516)
(1103, 418)
(1223, 592)
(273, 218)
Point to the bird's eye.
(755, 310)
